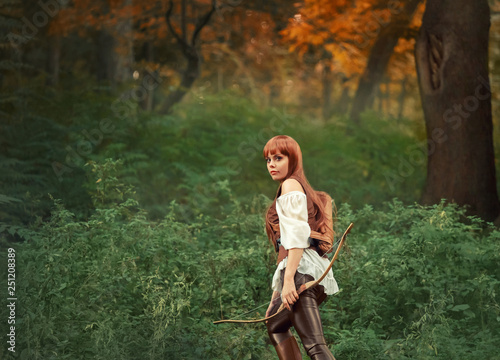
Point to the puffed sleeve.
(292, 212)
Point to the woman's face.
(277, 165)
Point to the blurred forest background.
(133, 187)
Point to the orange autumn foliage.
(345, 31)
(85, 16)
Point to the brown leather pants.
(306, 320)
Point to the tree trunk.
(189, 75)
(327, 80)
(190, 52)
(379, 57)
(342, 106)
(115, 48)
(402, 97)
(53, 60)
(147, 54)
(105, 56)
(124, 52)
(452, 66)
(274, 93)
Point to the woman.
(299, 224)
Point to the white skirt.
(310, 264)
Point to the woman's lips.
(273, 172)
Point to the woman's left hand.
(289, 294)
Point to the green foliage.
(40, 138)
(422, 281)
(101, 276)
(119, 286)
(190, 156)
(416, 282)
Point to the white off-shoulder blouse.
(295, 231)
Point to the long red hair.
(286, 145)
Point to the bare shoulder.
(290, 185)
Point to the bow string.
(303, 287)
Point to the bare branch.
(169, 24)
(203, 21)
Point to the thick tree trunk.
(378, 60)
(189, 76)
(114, 48)
(452, 65)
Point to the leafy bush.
(416, 282)
(189, 156)
(119, 286)
(420, 280)
(184, 156)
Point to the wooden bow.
(303, 287)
